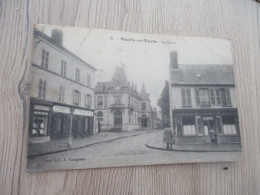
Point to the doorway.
(118, 119)
(209, 129)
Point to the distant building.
(62, 91)
(120, 107)
(156, 121)
(203, 103)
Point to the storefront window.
(40, 122)
(229, 125)
(188, 126)
(57, 124)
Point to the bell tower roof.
(119, 78)
(143, 93)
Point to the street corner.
(158, 144)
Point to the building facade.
(120, 107)
(62, 91)
(203, 103)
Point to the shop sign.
(61, 109)
(83, 112)
(40, 107)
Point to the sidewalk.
(39, 149)
(157, 143)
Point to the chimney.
(174, 60)
(57, 36)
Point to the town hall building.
(120, 107)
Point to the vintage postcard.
(101, 98)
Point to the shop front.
(53, 121)
(209, 126)
(39, 122)
(71, 121)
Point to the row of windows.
(192, 126)
(63, 71)
(102, 101)
(133, 117)
(206, 97)
(76, 95)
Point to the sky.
(145, 57)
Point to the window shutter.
(188, 97)
(228, 97)
(73, 96)
(212, 97)
(223, 96)
(183, 97)
(79, 99)
(218, 97)
(197, 94)
(44, 89)
(60, 92)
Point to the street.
(125, 151)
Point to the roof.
(143, 93)
(41, 35)
(203, 74)
(119, 82)
(103, 86)
(119, 78)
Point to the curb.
(183, 150)
(84, 146)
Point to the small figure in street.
(99, 126)
(212, 135)
(168, 139)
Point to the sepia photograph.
(101, 98)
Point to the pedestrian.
(168, 139)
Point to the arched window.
(100, 116)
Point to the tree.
(164, 104)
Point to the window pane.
(197, 96)
(204, 97)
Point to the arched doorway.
(118, 119)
